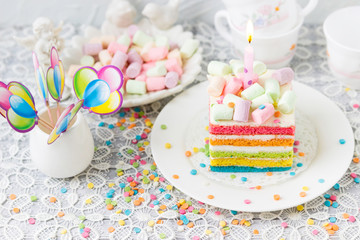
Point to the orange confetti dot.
(328, 227)
(235, 222)
(123, 120)
(277, 8)
(180, 222)
(61, 214)
(133, 184)
(141, 190)
(141, 149)
(256, 231)
(302, 194)
(52, 199)
(190, 224)
(223, 232)
(346, 216)
(12, 196)
(159, 222)
(185, 206)
(331, 232)
(162, 207)
(242, 222)
(131, 126)
(109, 207)
(293, 46)
(231, 105)
(335, 227)
(269, 173)
(258, 187)
(152, 177)
(188, 153)
(111, 229)
(276, 197)
(118, 124)
(355, 159)
(277, 114)
(301, 154)
(131, 192)
(141, 199)
(16, 210)
(210, 197)
(137, 202)
(147, 130)
(202, 210)
(175, 176)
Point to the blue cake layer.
(247, 169)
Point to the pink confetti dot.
(126, 194)
(276, 120)
(196, 238)
(126, 109)
(247, 201)
(297, 142)
(201, 203)
(295, 150)
(190, 209)
(138, 174)
(143, 162)
(134, 141)
(151, 205)
(284, 224)
(162, 179)
(31, 221)
(356, 105)
(129, 179)
(144, 116)
(136, 115)
(137, 157)
(144, 135)
(353, 175)
(87, 229)
(153, 197)
(85, 235)
(352, 219)
(182, 211)
(333, 198)
(315, 232)
(207, 142)
(132, 161)
(217, 213)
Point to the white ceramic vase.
(69, 155)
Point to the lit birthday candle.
(249, 57)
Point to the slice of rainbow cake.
(251, 124)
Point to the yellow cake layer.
(252, 162)
(287, 142)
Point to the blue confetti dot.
(156, 202)
(167, 196)
(127, 212)
(111, 190)
(332, 219)
(138, 137)
(202, 165)
(101, 124)
(244, 179)
(135, 192)
(233, 212)
(82, 230)
(335, 205)
(63, 190)
(111, 126)
(327, 196)
(327, 203)
(122, 185)
(155, 174)
(109, 195)
(292, 173)
(321, 180)
(193, 172)
(336, 186)
(262, 106)
(299, 165)
(175, 207)
(108, 143)
(342, 141)
(122, 114)
(357, 180)
(137, 230)
(161, 190)
(137, 109)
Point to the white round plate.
(330, 162)
(176, 34)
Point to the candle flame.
(249, 31)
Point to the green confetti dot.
(127, 188)
(81, 225)
(114, 203)
(33, 198)
(82, 218)
(162, 235)
(232, 176)
(122, 128)
(189, 203)
(163, 126)
(139, 144)
(130, 151)
(95, 149)
(195, 211)
(226, 228)
(135, 164)
(153, 167)
(108, 201)
(146, 180)
(128, 199)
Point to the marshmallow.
(261, 115)
(106, 40)
(237, 66)
(177, 55)
(141, 77)
(105, 57)
(87, 60)
(135, 87)
(155, 83)
(216, 85)
(124, 40)
(162, 41)
(119, 59)
(233, 86)
(158, 71)
(265, 98)
(114, 47)
(171, 79)
(241, 110)
(157, 53)
(253, 91)
(284, 75)
(92, 48)
(172, 65)
(287, 102)
(145, 50)
(259, 68)
(221, 112)
(134, 56)
(73, 69)
(189, 47)
(249, 83)
(133, 70)
(97, 66)
(272, 87)
(217, 68)
(147, 66)
(141, 39)
(230, 98)
(95, 40)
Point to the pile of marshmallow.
(237, 97)
(148, 63)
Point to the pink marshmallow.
(233, 86)
(284, 75)
(155, 83)
(157, 53)
(241, 110)
(216, 85)
(114, 47)
(134, 56)
(262, 115)
(133, 70)
(132, 29)
(119, 59)
(172, 65)
(105, 57)
(142, 77)
(92, 48)
(171, 79)
(147, 66)
(106, 40)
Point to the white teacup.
(342, 34)
(67, 156)
(268, 16)
(275, 51)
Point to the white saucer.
(330, 163)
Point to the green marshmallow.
(158, 71)
(253, 91)
(161, 41)
(217, 68)
(259, 68)
(287, 102)
(141, 39)
(189, 47)
(237, 66)
(221, 112)
(230, 98)
(135, 87)
(257, 102)
(124, 40)
(272, 87)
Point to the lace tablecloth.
(81, 203)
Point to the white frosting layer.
(252, 149)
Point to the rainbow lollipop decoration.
(55, 78)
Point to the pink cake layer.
(247, 130)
